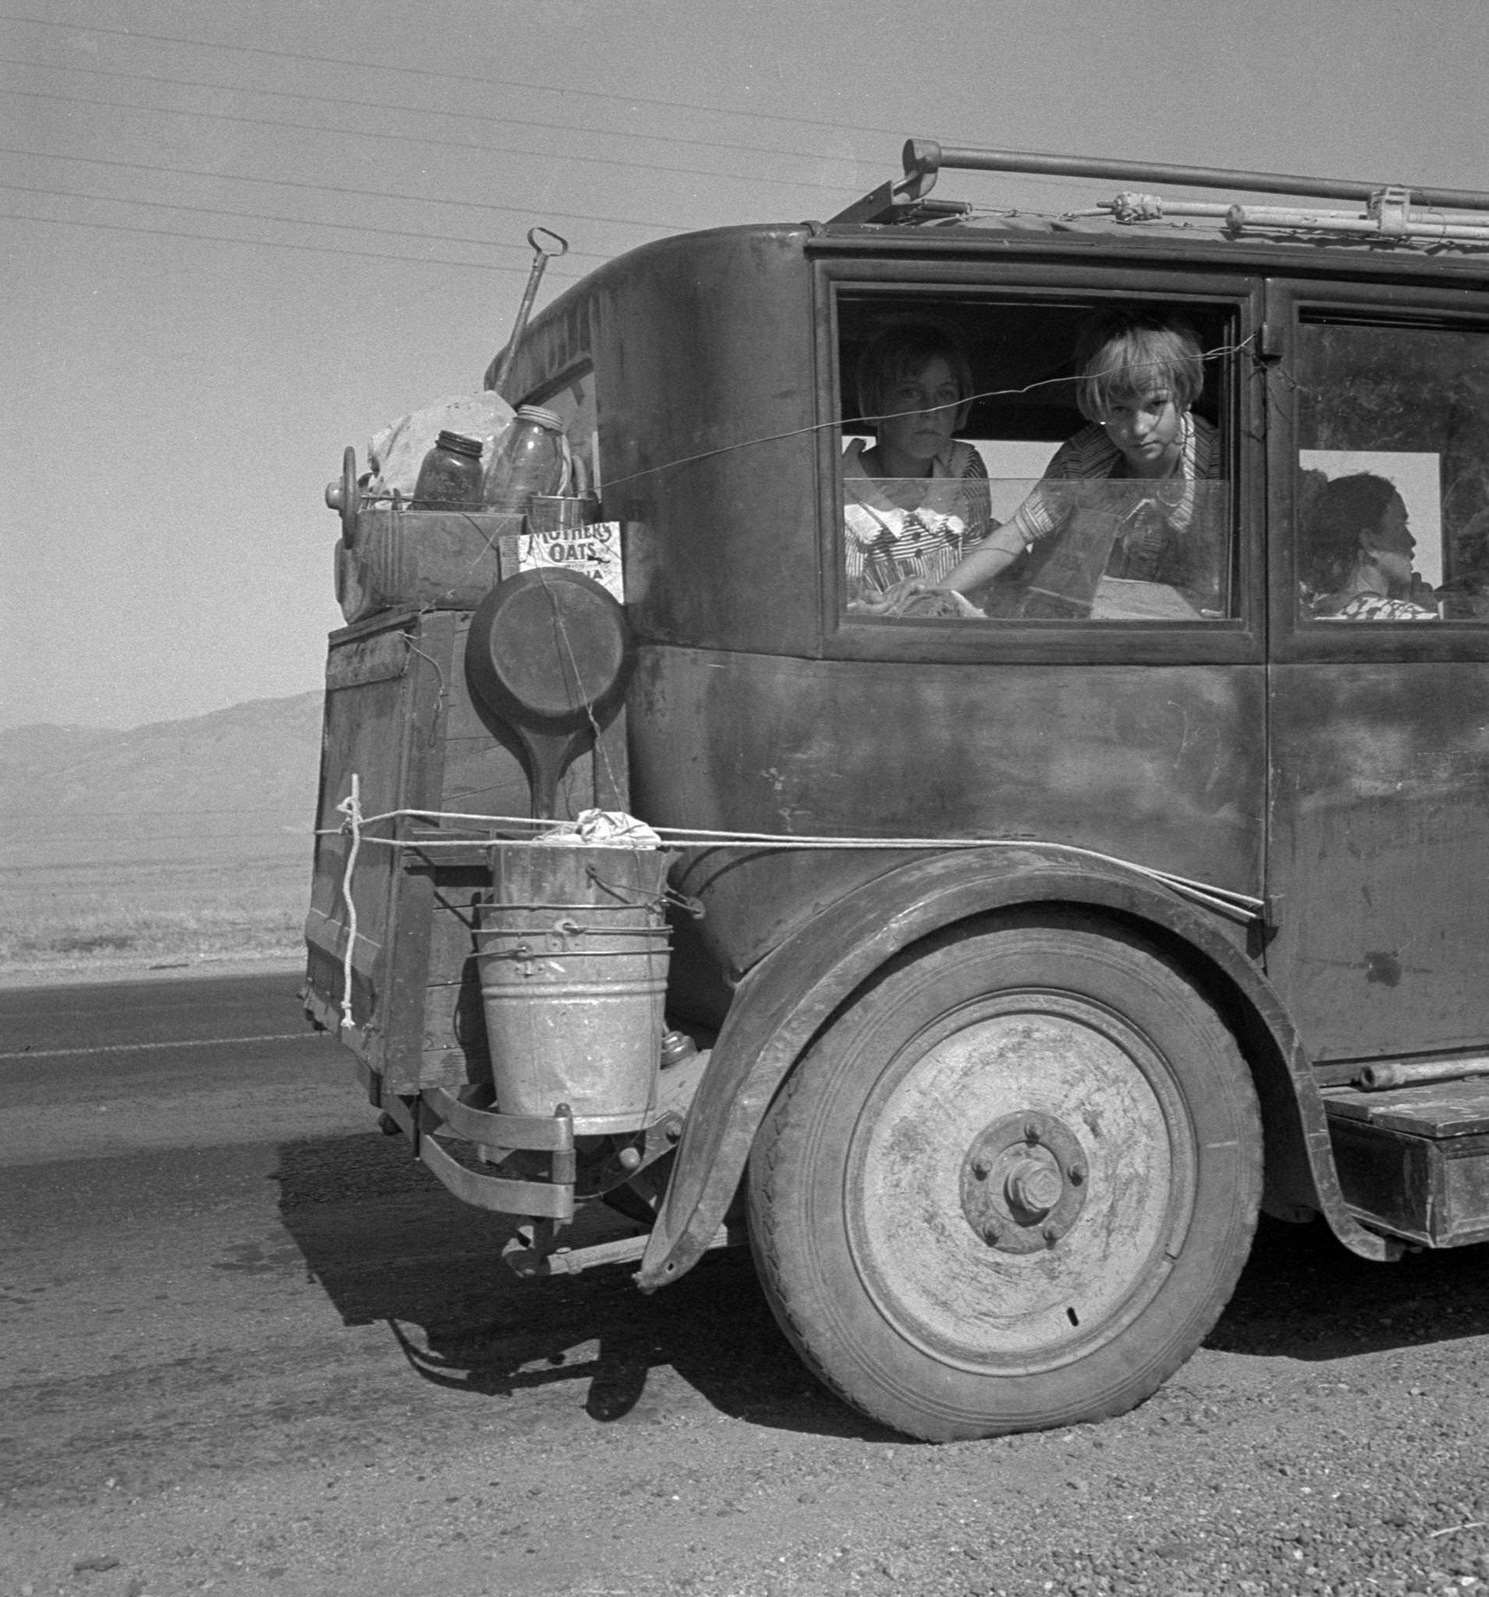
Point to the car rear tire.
(1012, 1185)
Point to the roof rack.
(1391, 211)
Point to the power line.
(294, 221)
(451, 77)
(273, 244)
(469, 116)
(291, 183)
(271, 122)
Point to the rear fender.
(782, 1003)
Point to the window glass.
(1034, 461)
(1393, 474)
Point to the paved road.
(234, 1051)
(249, 1347)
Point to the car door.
(1378, 826)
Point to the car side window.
(1393, 473)
(1039, 462)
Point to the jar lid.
(459, 443)
(544, 418)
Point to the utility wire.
(567, 90)
(296, 221)
(469, 116)
(294, 183)
(274, 244)
(273, 122)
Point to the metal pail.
(573, 953)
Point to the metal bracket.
(896, 200)
(494, 1137)
(1391, 208)
(656, 1141)
(533, 1255)
(437, 1114)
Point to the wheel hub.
(1023, 1182)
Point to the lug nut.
(1032, 1187)
(980, 1169)
(1031, 1134)
(1077, 1174)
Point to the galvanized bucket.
(573, 952)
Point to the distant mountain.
(239, 783)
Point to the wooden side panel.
(362, 734)
(453, 1044)
(401, 720)
(381, 735)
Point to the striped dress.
(886, 542)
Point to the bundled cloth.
(601, 829)
(396, 453)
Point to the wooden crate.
(430, 559)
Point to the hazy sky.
(238, 237)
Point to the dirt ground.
(249, 1347)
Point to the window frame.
(1292, 305)
(1239, 295)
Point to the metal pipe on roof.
(924, 157)
(1425, 228)
(1425, 218)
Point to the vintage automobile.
(996, 962)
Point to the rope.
(1222, 900)
(1132, 207)
(488, 546)
(1068, 381)
(600, 753)
(351, 807)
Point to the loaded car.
(995, 950)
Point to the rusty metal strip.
(543, 1133)
(544, 1200)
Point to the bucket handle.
(565, 929)
(654, 901)
(527, 958)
